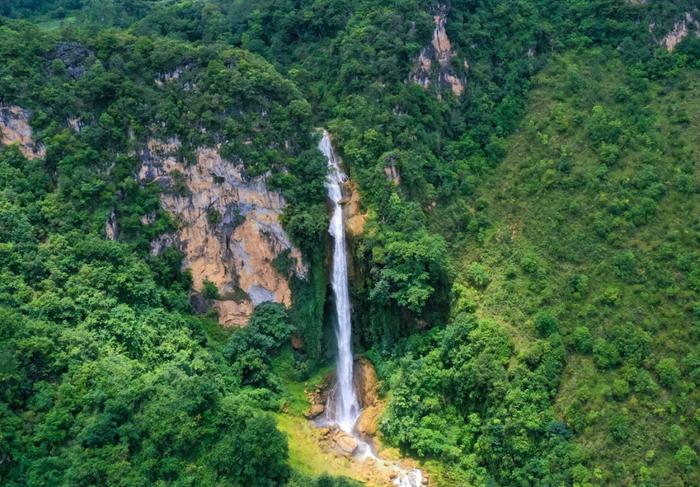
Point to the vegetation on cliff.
(526, 279)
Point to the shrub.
(578, 284)
(620, 426)
(209, 290)
(609, 153)
(620, 389)
(477, 275)
(685, 457)
(611, 296)
(582, 339)
(545, 323)
(213, 217)
(668, 372)
(625, 264)
(530, 264)
(605, 354)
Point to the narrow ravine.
(343, 407)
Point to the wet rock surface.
(366, 382)
(112, 227)
(318, 398)
(344, 443)
(370, 460)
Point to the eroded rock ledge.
(229, 229)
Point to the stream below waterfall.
(343, 408)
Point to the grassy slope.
(557, 213)
(305, 453)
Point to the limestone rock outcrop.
(355, 217)
(366, 382)
(368, 422)
(229, 228)
(112, 226)
(367, 387)
(681, 30)
(345, 443)
(434, 64)
(15, 129)
(74, 56)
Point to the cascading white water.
(347, 407)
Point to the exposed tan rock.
(367, 424)
(112, 227)
(392, 174)
(680, 31)
(441, 43)
(439, 54)
(345, 443)
(366, 383)
(15, 129)
(148, 219)
(297, 342)
(314, 411)
(75, 124)
(354, 216)
(423, 69)
(229, 228)
(162, 78)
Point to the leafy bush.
(582, 339)
(250, 349)
(546, 323)
(605, 354)
(209, 290)
(668, 371)
(478, 275)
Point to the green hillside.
(593, 236)
(526, 280)
(572, 351)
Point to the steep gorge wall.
(229, 229)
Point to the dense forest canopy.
(526, 282)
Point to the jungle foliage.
(528, 291)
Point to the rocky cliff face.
(229, 229)
(15, 129)
(434, 64)
(367, 385)
(680, 31)
(355, 217)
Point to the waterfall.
(347, 408)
